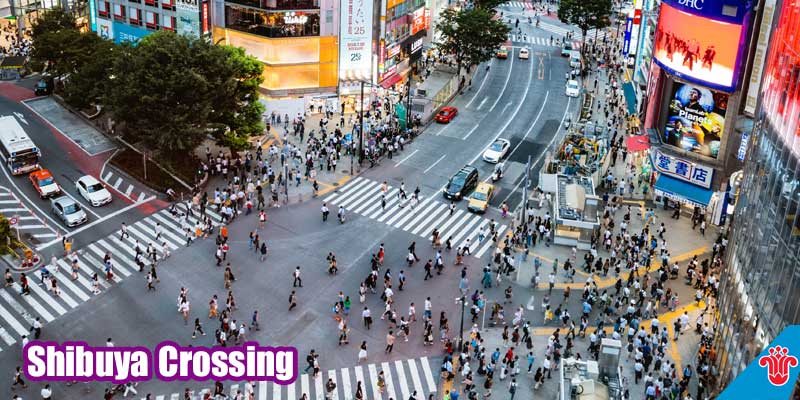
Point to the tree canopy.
(59, 44)
(585, 14)
(471, 36)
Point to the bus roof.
(12, 136)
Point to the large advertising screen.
(780, 89)
(355, 39)
(696, 119)
(698, 48)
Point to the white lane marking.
(290, 390)
(332, 377)
(45, 235)
(505, 85)
(13, 322)
(360, 378)
(475, 96)
(373, 377)
(262, 390)
(24, 227)
(485, 99)
(406, 158)
(276, 390)
(434, 164)
(40, 309)
(304, 386)
(474, 128)
(129, 190)
(318, 384)
(539, 158)
(117, 183)
(95, 222)
(401, 376)
(141, 196)
(346, 387)
(108, 176)
(412, 368)
(389, 384)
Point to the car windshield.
(479, 196)
(457, 181)
(94, 188)
(46, 181)
(572, 86)
(71, 208)
(496, 146)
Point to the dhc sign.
(696, 4)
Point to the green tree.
(160, 93)
(235, 100)
(585, 14)
(8, 240)
(489, 5)
(53, 20)
(89, 82)
(471, 36)
(65, 50)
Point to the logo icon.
(778, 364)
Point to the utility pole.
(461, 330)
(361, 128)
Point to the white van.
(575, 59)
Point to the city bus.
(17, 149)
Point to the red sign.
(205, 17)
(780, 91)
(778, 364)
(418, 21)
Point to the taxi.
(44, 183)
(479, 200)
(502, 52)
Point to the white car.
(93, 191)
(496, 151)
(573, 88)
(524, 53)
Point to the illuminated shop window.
(272, 24)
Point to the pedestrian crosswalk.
(519, 4)
(402, 379)
(540, 41)
(363, 196)
(17, 311)
(27, 222)
(561, 31)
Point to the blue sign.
(93, 15)
(127, 33)
(628, 28)
(743, 147)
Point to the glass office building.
(760, 291)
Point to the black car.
(462, 183)
(44, 87)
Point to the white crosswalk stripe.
(363, 196)
(17, 311)
(401, 377)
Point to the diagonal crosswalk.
(402, 377)
(363, 196)
(17, 311)
(538, 41)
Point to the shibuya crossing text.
(77, 361)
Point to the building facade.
(758, 293)
(131, 20)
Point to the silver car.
(68, 210)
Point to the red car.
(446, 114)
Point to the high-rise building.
(759, 290)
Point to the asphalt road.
(520, 100)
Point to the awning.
(637, 143)
(388, 82)
(630, 97)
(681, 191)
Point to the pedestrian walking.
(292, 300)
(297, 280)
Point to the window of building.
(279, 4)
(102, 8)
(151, 20)
(169, 23)
(150, 2)
(135, 1)
(272, 24)
(119, 11)
(135, 16)
(168, 4)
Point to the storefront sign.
(381, 59)
(204, 18)
(291, 18)
(126, 33)
(188, 12)
(417, 45)
(696, 119)
(418, 21)
(355, 38)
(742, 152)
(686, 170)
(392, 51)
(626, 44)
(636, 25)
(105, 29)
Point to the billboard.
(188, 12)
(104, 29)
(636, 25)
(418, 20)
(780, 88)
(696, 119)
(355, 39)
(698, 48)
(127, 33)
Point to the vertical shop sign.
(355, 36)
